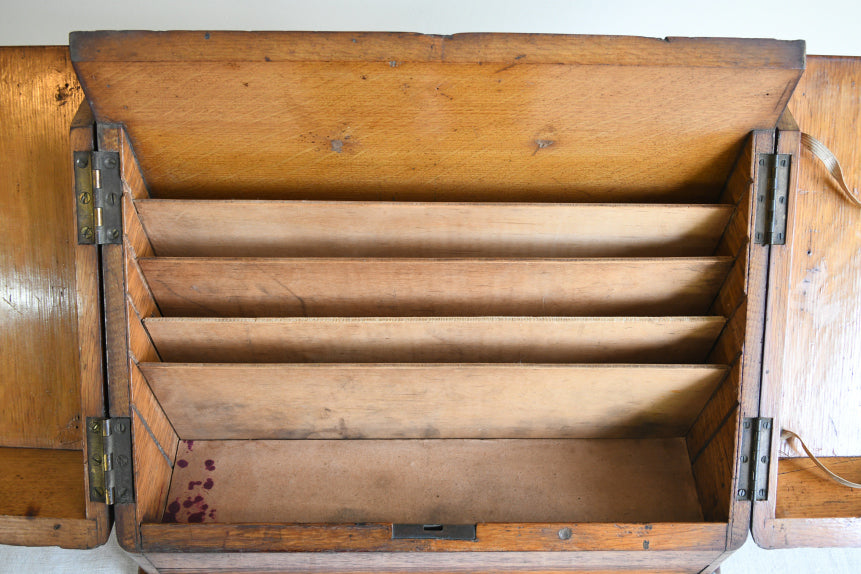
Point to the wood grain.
(436, 481)
(152, 473)
(461, 287)
(820, 390)
(606, 562)
(436, 340)
(320, 401)
(653, 537)
(551, 122)
(804, 491)
(72, 533)
(41, 482)
(41, 398)
(387, 229)
(202, 46)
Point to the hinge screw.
(88, 233)
(110, 162)
(114, 233)
(762, 493)
(81, 162)
(742, 493)
(764, 459)
(98, 492)
(95, 424)
(84, 198)
(743, 458)
(747, 424)
(564, 534)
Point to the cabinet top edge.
(398, 47)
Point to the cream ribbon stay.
(828, 159)
(787, 434)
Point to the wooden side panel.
(41, 398)
(461, 118)
(318, 401)
(388, 229)
(434, 481)
(436, 340)
(820, 388)
(463, 287)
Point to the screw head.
(114, 233)
(81, 161)
(742, 493)
(763, 459)
(564, 534)
(110, 162)
(762, 493)
(744, 458)
(84, 198)
(88, 233)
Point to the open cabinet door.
(50, 343)
(812, 355)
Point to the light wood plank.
(409, 287)
(554, 121)
(389, 229)
(321, 401)
(436, 340)
(436, 481)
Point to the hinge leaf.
(755, 459)
(772, 198)
(109, 448)
(98, 197)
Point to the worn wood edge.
(132, 176)
(764, 525)
(751, 357)
(376, 537)
(68, 533)
(809, 533)
(596, 562)
(214, 46)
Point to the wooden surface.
(436, 340)
(387, 229)
(319, 401)
(404, 287)
(39, 367)
(435, 481)
(654, 537)
(820, 386)
(804, 491)
(41, 482)
(462, 118)
(598, 562)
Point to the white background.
(829, 27)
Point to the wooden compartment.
(494, 280)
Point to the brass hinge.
(772, 197)
(98, 193)
(109, 448)
(755, 459)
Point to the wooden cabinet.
(388, 302)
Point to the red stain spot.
(210, 464)
(193, 483)
(182, 463)
(189, 502)
(208, 484)
(189, 444)
(196, 517)
(212, 514)
(204, 506)
(174, 507)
